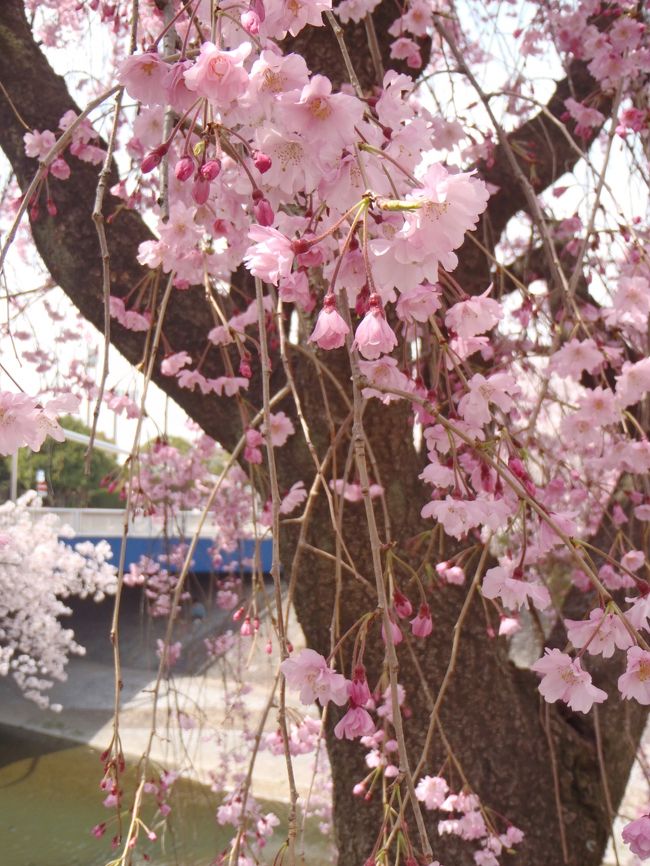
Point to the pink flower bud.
(262, 162)
(263, 212)
(403, 606)
(51, 207)
(210, 170)
(152, 159)
(250, 21)
(201, 190)
(422, 624)
(60, 169)
(184, 168)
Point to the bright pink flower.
(637, 835)
(395, 631)
(374, 336)
(422, 624)
(635, 682)
(219, 75)
(563, 679)
(309, 672)
(330, 329)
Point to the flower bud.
(262, 162)
(184, 168)
(250, 21)
(263, 212)
(210, 170)
(153, 159)
(200, 190)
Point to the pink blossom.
(422, 624)
(374, 336)
(576, 356)
(322, 116)
(142, 75)
(396, 633)
(281, 428)
(514, 591)
(357, 722)
(601, 633)
(309, 672)
(635, 682)
(564, 679)
(636, 834)
(219, 75)
(474, 316)
(173, 363)
(330, 330)
(271, 256)
(38, 144)
(432, 791)
(18, 414)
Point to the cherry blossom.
(563, 679)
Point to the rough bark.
(492, 716)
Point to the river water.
(50, 799)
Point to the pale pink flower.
(601, 633)
(271, 256)
(422, 624)
(576, 356)
(474, 406)
(295, 497)
(450, 205)
(321, 115)
(38, 144)
(143, 76)
(395, 631)
(374, 336)
(635, 682)
(330, 329)
(457, 516)
(474, 316)
(417, 304)
(173, 363)
(633, 383)
(18, 419)
(636, 834)
(564, 679)
(281, 428)
(432, 791)
(452, 574)
(309, 672)
(357, 722)
(384, 373)
(514, 592)
(219, 75)
(292, 17)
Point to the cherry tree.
(393, 258)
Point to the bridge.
(147, 537)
